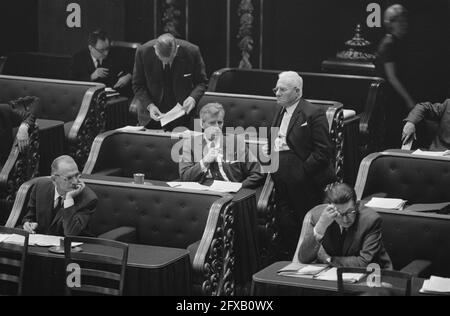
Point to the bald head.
(63, 162)
(166, 46)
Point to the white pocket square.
(304, 124)
(187, 75)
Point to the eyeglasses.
(347, 214)
(76, 176)
(281, 89)
(103, 51)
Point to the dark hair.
(96, 35)
(340, 193)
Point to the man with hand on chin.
(341, 235)
(61, 205)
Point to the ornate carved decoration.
(357, 48)
(219, 264)
(245, 36)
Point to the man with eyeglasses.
(339, 234)
(304, 151)
(167, 72)
(61, 205)
(99, 62)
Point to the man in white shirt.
(61, 205)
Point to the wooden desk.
(116, 112)
(246, 239)
(267, 282)
(150, 271)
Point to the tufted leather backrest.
(414, 236)
(135, 152)
(243, 110)
(352, 91)
(162, 216)
(40, 65)
(417, 179)
(59, 100)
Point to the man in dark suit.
(341, 235)
(304, 148)
(61, 205)
(168, 71)
(99, 62)
(439, 112)
(9, 119)
(214, 156)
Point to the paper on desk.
(13, 239)
(331, 275)
(408, 145)
(35, 240)
(392, 204)
(132, 128)
(188, 185)
(298, 270)
(172, 115)
(436, 285)
(432, 153)
(225, 186)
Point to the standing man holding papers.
(168, 72)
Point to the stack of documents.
(217, 186)
(436, 285)
(318, 272)
(132, 129)
(392, 204)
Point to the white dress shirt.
(280, 141)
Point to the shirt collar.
(216, 141)
(57, 195)
(290, 110)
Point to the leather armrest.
(418, 268)
(192, 248)
(124, 234)
(115, 172)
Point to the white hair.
(293, 78)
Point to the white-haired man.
(304, 148)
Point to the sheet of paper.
(4, 237)
(436, 285)
(132, 129)
(427, 207)
(298, 269)
(15, 239)
(225, 186)
(188, 186)
(331, 275)
(172, 115)
(408, 145)
(44, 240)
(392, 204)
(432, 153)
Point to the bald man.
(304, 149)
(61, 205)
(168, 71)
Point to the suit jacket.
(189, 76)
(238, 163)
(71, 221)
(439, 112)
(308, 137)
(83, 66)
(9, 119)
(362, 245)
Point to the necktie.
(58, 205)
(214, 166)
(99, 63)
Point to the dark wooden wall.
(296, 34)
